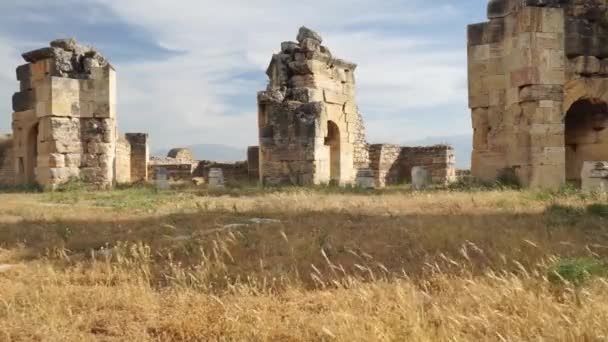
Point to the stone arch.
(586, 135)
(332, 140)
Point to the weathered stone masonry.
(311, 131)
(64, 121)
(392, 164)
(538, 89)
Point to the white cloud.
(190, 97)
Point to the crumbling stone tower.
(64, 121)
(538, 89)
(311, 131)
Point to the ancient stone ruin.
(538, 89)
(64, 122)
(311, 130)
(180, 165)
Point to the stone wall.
(537, 89)
(392, 164)
(64, 123)
(439, 160)
(123, 160)
(140, 154)
(234, 173)
(311, 131)
(385, 162)
(7, 162)
(253, 162)
(177, 170)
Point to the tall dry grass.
(134, 265)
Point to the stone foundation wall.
(439, 160)
(384, 161)
(123, 161)
(140, 154)
(7, 162)
(392, 164)
(234, 173)
(176, 170)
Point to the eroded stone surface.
(64, 124)
(538, 77)
(311, 131)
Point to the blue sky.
(189, 70)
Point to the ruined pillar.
(311, 131)
(140, 154)
(64, 121)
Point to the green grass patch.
(576, 271)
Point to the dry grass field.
(303, 265)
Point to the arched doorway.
(586, 136)
(31, 159)
(332, 140)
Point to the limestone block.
(540, 19)
(549, 41)
(547, 176)
(547, 135)
(66, 130)
(44, 109)
(335, 97)
(73, 160)
(53, 160)
(65, 96)
(23, 101)
(100, 148)
(479, 53)
(594, 176)
(586, 65)
(512, 96)
(525, 76)
(541, 92)
(41, 69)
(55, 146)
(303, 81)
(553, 77)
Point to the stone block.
(594, 176)
(586, 65)
(100, 148)
(65, 95)
(479, 53)
(335, 97)
(538, 92)
(525, 76)
(23, 101)
(73, 160)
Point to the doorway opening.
(332, 140)
(586, 136)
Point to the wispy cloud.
(205, 92)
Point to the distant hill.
(463, 144)
(212, 152)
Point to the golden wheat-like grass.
(318, 266)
